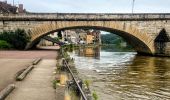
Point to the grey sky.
(96, 6)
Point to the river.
(118, 75)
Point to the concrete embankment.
(6, 91)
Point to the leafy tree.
(18, 38)
(111, 39)
(5, 45)
(60, 35)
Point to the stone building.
(75, 36)
(44, 42)
(6, 8)
(80, 36)
(70, 36)
(93, 37)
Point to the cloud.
(95, 6)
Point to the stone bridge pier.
(147, 33)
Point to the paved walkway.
(37, 85)
(9, 69)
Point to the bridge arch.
(140, 41)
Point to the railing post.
(79, 84)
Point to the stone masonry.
(139, 30)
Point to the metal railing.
(74, 79)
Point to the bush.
(5, 45)
(87, 83)
(18, 39)
(95, 96)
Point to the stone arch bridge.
(146, 33)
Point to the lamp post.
(13, 2)
(133, 4)
(13, 6)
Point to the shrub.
(18, 39)
(4, 45)
(95, 96)
(55, 82)
(87, 83)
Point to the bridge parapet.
(85, 16)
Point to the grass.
(55, 82)
(87, 83)
(95, 96)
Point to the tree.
(18, 38)
(60, 35)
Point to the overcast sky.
(95, 6)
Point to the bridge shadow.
(46, 48)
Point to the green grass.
(95, 96)
(87, 83)
(55, 82)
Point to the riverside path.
(38, 84)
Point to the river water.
(118, 75)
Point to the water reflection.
(127, 76)
(145, 78)
(89, 52)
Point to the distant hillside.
(111, 39)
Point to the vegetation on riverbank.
(72, 89)
(17, 39)
(95, 96)
(5, 45)
(111, 39)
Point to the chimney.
(20, 8)
(5, 1)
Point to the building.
(81, 36)
(21, 8)
(6, 8)
(97, 36)
(93, 37)
(44, 42)
(89, 39)
(70, 36)
(74, 36)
